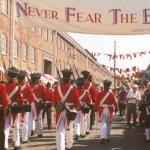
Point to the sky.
(125, 44)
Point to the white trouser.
(147, 133)
(83, 123)
(25, 127)
(16, 133)
(105, 124)
(77, 123)
(60, 133)
(31, 121)
(39, 123)
(7, 129)
(88, 121)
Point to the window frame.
(2, 46)
(24, 59)
(15, 57)
(32, 55)
(4, 9)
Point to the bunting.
(123, 56)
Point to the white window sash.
(3, 44)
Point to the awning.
(47, 78)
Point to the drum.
(85, 109)
(26, 108)
(91, 106)
(16, 109)
(71, 115)
(47, 106)
(60, 106)
(40, 105)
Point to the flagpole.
(12, 32)
(115, 64)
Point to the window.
(33, 29)
(5, 7)
(45, 34)
(39, 31)
(50, 36)
(3, 44)
(15, 49)
(59, 42)
(32, 55)
(24, 52)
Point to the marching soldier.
(3, 109)
(28, 100)
(105, 104)
(39, 94)
(91, 88)
(67, 101)
(15, 98)
(85, 99)
(48, 103)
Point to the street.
(121, 139)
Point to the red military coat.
(49, 95)
(87, 98)
(72, 98)
(93, 90)
(17, 97)
(27, 92)
(110, 100)
(39, 93)
(3, 105)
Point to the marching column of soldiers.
(23, 105)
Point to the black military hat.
(48, 84)
(12, 72)
(85, 73)
(35, 76)
(66, 73)
(80, 81)
(107, 83)
(21, 75)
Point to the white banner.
(107, 17)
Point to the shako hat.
(12, 72)
(66, 73)
(48, 84)
(85, 73)
(107, 83)
(35, 76)
(21, 75)
(80, 81)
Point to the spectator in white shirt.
(133, 97)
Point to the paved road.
(121, 139)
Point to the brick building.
(41, 50)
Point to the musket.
(72, 72)
(77, 71)
(30, 73)
(58, 73)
